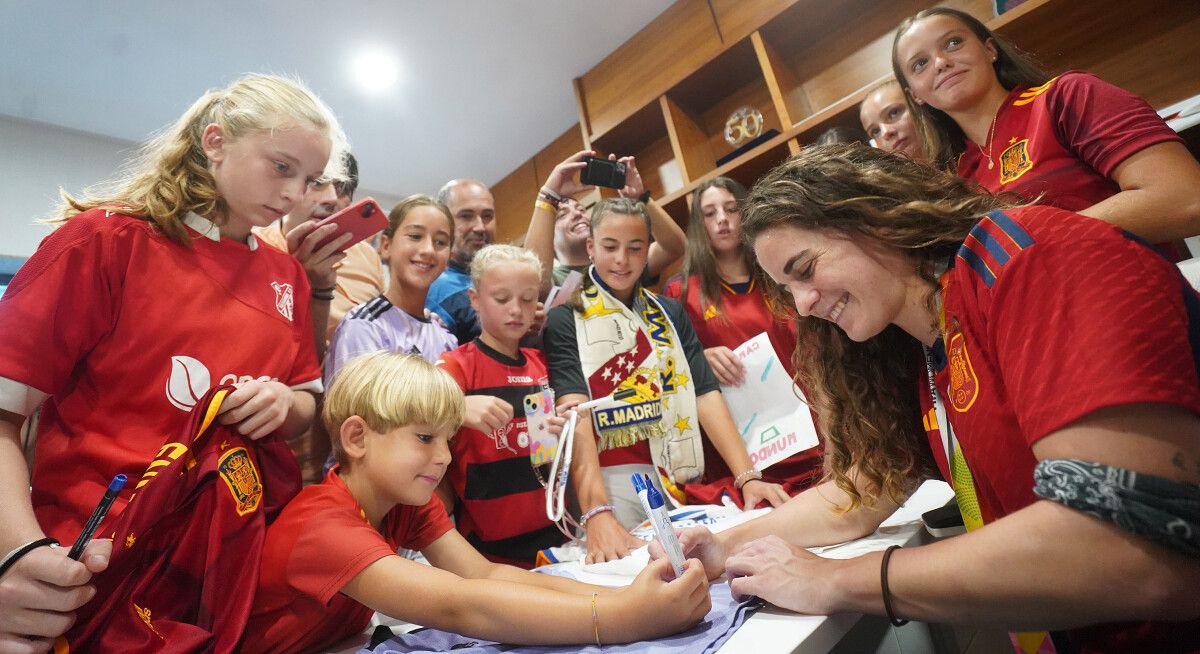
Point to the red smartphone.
(363, 219)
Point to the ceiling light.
(376, 70)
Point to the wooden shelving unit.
(807, 64)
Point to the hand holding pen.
(44, 586)
(93, 523)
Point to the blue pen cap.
(638, 484)
(653, 497)
(117, 483)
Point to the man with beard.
(474, 211)
(571, 232)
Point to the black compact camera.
(603, 172)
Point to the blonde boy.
(329, 561)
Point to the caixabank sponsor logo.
(190, 380)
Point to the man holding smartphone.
(572, 228)
(339, 280)
(474, 212)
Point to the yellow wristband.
(542, 204)
(595, 620)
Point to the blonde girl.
(147, 295)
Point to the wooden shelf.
(1147, 47)
(842, 113)
(822, 51)
(697, 108)
(643, 135)
(746, 169)
(665, 94)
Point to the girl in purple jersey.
(416, 247)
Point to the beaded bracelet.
(593, 512)
(745, 477)
(883, 583)
(12, 557)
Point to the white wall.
(36, 159)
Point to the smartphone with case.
(363, 219)
(603, 172)
(945, 521)
(543, 445)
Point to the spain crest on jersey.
(964, 383)
(241, 477)
(1015, 161)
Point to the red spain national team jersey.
(1049, 317)
(318, 544)
(125, 330)
(1063, 139)
(501, 506)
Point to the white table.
(772, 630)
(776, 630)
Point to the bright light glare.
(376, 70)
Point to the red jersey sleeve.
(65, 299)
(415, 527)
(1090, 321)
(1103, 124)
(450, 362)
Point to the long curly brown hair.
(866, 394)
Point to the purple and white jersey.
(379, 325)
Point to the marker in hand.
(93, 523)
(656, 510)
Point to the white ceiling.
(484, 84)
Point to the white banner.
(768, 408)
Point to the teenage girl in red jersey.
(721, 291)
(1064, 356)
(1075, 141)
(147, 295)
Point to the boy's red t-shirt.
(318, 544)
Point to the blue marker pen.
(656, 510)
(639, 487)
(93, 522)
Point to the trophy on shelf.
(744, 131)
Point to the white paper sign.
(767, 409)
